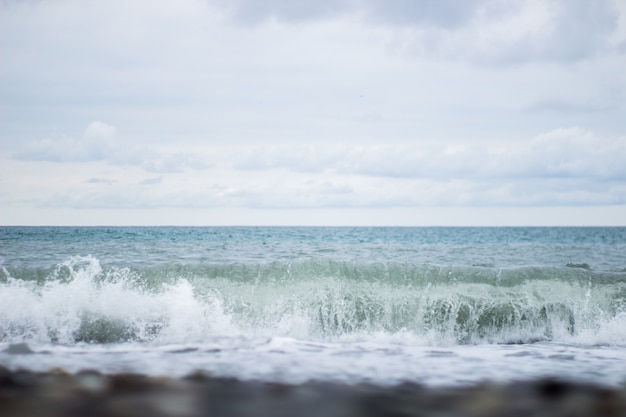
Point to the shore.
(90, 393)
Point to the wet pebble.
(90, 393)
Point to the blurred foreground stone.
(90, 393)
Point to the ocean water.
(436, 306)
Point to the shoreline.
(58, 393)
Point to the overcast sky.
(329, 112)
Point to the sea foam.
(79, 301)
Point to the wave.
(80, 301)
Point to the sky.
(313, 112)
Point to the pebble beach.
(57, 393)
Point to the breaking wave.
(79, 301)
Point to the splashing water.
(319, 316)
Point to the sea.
(438, 306)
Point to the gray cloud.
(254, 11)
(580, 29)
(483, 31)
(177, 162)
(151, 181)
(100, 181)
(566, 106)
(574, 30)
(446, 13)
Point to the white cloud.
(99, 130)
(100, 144)
(577, 153)
(151, 181)
(97, 144)
(568, 152)
(178, 162)
(96, 180)
(569, 166)
(64, 149)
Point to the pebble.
(57, 393)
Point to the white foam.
(79, 296)
(57, 310)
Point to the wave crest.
(79, 301)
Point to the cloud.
(100, 181)
(565, 166)
(183, 73)
(567, 106)
(446, 13)
(561, 167)
(151, 181)
(493, 32)
(565, 31)
(568, 152)
(568, 166)
(100, 144)
(517, 33)
(575, 153)
(339, 103)
(99, 130)
(178, 162)
(251, 11)
(95, 145)
(302, 193)
(579, 29)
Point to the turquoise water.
(601, 247)
(291, 304)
